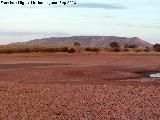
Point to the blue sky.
(129, 18)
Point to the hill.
(98, 41)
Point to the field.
(79, 86)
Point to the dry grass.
(31, 48)
(51, 49)
(152, 53)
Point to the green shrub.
(71, 50)
(92, 49)
(114, 45)
(77, 44)
(156, 47)
(65, 49)
(133, 46)
(87, 49)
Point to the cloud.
(154, 26)
(13, 33)
(97, 16)
(97, 5)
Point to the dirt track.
(79, 86)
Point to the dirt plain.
(80, 86)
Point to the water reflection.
(155, 75)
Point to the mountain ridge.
(97, 41)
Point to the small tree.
(77, 44)
(92, 49)
(156, 47)
(133, 46)
(114, 45)
(126, 46)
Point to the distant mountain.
(98, 41)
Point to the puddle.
(155, 75)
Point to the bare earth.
(60, 86)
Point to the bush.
(77, 44)
(71, 50)
(156, 47)
(92, 49)
(126, 46)
(20, 50)
(116, 49)
(126, 49)
(147, 49)
(130, 46)
(133, 46)
(95, 50)
(49, 50)
(37, 49)
(30, 48)
(8, 51)
(114, 45)
(65, 49)
(87, 49)
(138, 50)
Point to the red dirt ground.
(84, 86)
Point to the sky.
(125, 18)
